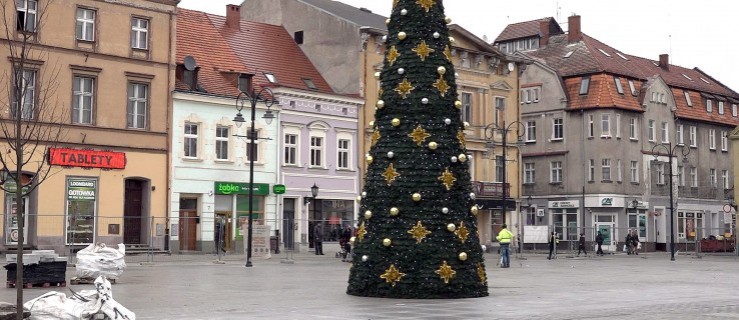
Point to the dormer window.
(709, 105)
(687, 99)
(245, 83)
(270, 77)
(619, 87)
(309, 83)
(584, 85)
(632, 88)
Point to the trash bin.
(274, 244)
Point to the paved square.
(612, 287)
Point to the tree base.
(419, 294)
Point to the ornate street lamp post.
(671, 152)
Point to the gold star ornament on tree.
(419, 232)
(404, 88)
(462, 139)
(392, 55)
(441, 85)
(423, 50)
(390, 174)
(376, 136)
(462, 232)
(361, 232)
(448, 179)
(419, 135)
(448, 53)
(446, 272)
(481, 273)
(426, 4)
(392, 275)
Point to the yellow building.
(106, 70)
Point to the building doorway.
(133, 212)
(188, 223)
(288, 223)
(224, 229)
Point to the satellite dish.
(190, 63)
(511, 66)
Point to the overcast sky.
(695, 34)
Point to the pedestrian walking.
(318, 238)
(628, 242)
(218, 236)
(344, 242)
(504, 238)
(635, 242)
(599, 241)
(581, 245)
(552, 244)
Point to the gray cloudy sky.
(695, 34)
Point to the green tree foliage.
(417, 234)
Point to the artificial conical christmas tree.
(417, 234)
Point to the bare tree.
(31, 120)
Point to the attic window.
(704, 80)
(604, 53)
(309, 83)
(568, 54)
(245, 83)
(687, 99)
(584, 85)
(619, 87)
(622, 56)
(686, 77)
(298, 36)
(633, 89)
(270, 77)
(655, 63)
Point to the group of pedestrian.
(344, 241)
(632, 242)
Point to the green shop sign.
(279, 189)
(260, 189)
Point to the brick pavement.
(612, 287)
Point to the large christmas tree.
(417, 234)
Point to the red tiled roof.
(698, 109)
(266, 48)
(218, 64)
(526, 29)
(602, 93)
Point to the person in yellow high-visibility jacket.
(504, 238)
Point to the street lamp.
(671, 152)
(314, 192)
(265, 96)
(490, 134)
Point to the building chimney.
(543, 33)
(574, 34)
(664, 61)
(233, 16)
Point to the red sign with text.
(87, 158)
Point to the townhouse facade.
(603, 128)
(113, 89)
(347, 46)
(311, 142)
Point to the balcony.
(488, 189)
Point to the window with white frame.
(140, 33)
(619, 87)
(619, 173)
(734, 110)
(531, 131)
(316, 151)
(556, 172)
(559, 129)
(82, 99)
(525, 97)
(252, 149)
(720, 107)
(535, 94)
(688, 223)
(712, 139)
(499, 165)
(591, 126)
(190, 141)
(694, 177)
(591, 170)
(679, 134)
(651, 130)
(584, 85)
(26, 95)
(291, 149)
(680, 176)
(632, 88)
(709, 105)
(605, 167)
(618, 126)
(605, 125)
(344, 154)
(27, 15)
(466, 110)
(138, 99)
(693, 136)
(222, 137)
(633, 129)
(724, 141)
(712, 177)
(725, 179)
(85, 27)
(665, 130)
(687, 99)
(529, 173)
(660, 168)
(634, 171)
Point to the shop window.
(81, 204)
(565, 223)
(688, 225)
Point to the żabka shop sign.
(87, 158)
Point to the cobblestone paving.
(614, 287)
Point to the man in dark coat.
(552, 243)
(581, 245)
(599, 241)
(318, 238)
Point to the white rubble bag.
(98, 260)
(81, 305)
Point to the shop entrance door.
(11, 220)
(132, 219)
(609, 243)
(288, 223)
(224, 228)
